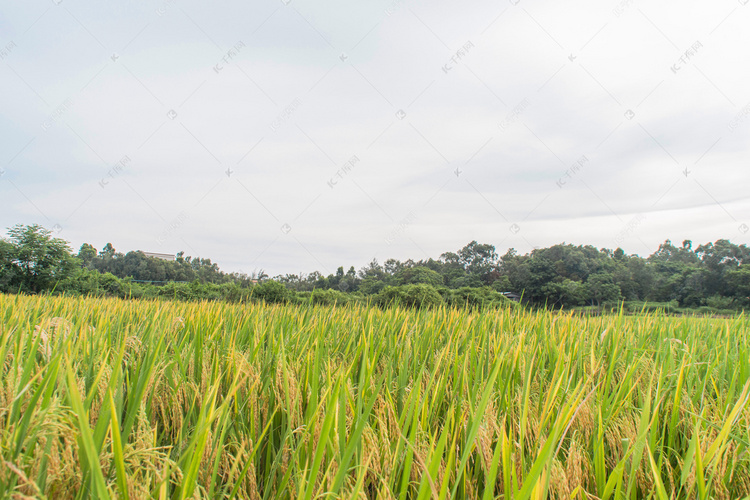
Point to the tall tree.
(34, 261)
(87, 253)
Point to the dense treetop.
(715, 275)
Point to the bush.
(650, 307)
(271, 292)
(416, 296)
(477, 298)
(111, 284)
(329, 297)
(719, 302)
(87, 282)
(371, 286)
(419, 275)
(181, 291)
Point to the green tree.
(272, 292)
(349, 282)
(416, 296)
(473, 265)
(739, 284)
(371, 285)
(8, 270)
(108, 251)
(35, 261)
(565, 293)
(602, 288)
(87, 253)
(418, 274)
(718, 259)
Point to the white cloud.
(568, 120)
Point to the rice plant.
(103, 398)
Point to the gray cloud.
(297, 135)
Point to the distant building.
(162, 256)
(512, 296)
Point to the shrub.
(272, 292)
(477, 298)
(329, 297)
(371, 286)
(719, 302)
(652, 307)
(110, 284)
(416, 296)
(419, 275)
(181, 291)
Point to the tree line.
(710, 277)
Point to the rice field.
(102, 398)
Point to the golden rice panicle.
(216, 400)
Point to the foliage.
(418, 275)
(329, 297)
(602, 289)
(477, 298)
(739, 282)
(567, 292)
(417, 296)
(713, 277)
(31, 260)
(272, 292)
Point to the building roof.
(512, 296)
(162, 256)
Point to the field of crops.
(105, 398)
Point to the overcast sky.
(298, 135)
